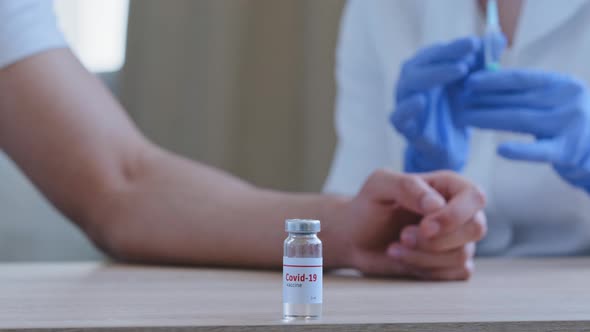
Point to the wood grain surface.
(504, 295)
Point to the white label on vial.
(302, 280)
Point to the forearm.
(178, 211)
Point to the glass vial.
(302, 270)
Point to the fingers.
(448, 52)
(459, 210)
(410, 236)
(406, 115)
(419, 259)
(372, 263)
(459, 265)
(458, 273)
(447, 183)
(521, 89)
(410, 191)
(522, 120)
(541, 99)
(523, 101)
(470, 232)
(514, 81)
(464, 201)
(420, 78)
(437, 65)
(451, 265)
(540, 151)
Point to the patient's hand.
(415, 225)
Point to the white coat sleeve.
(361, 115)
(27, 27)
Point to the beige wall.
(245, 85)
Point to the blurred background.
(244, 85)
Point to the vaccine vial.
(302, 270)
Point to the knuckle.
(381, 171)
(447, 218)
(407, 181)
(379, 174)
(479, 229)
(410, 183)
(479, 197)
(463, 255)
(467, 270)
(447, 174)
(465, 274)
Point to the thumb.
(379, 264)
(406, 116)
(540, 151)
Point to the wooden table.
(504, 295)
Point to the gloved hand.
(428, 93)
(554, 108)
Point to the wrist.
(336, 232)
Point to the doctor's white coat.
(531, 210)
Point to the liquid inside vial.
(302, 311)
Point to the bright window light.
(96, 30)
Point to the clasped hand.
(422, 226)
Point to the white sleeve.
(361, 115)
(27, 27)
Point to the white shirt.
(27, 27)
(531, 210)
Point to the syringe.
(492, 49)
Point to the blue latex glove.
(554, 108)
(428, 94)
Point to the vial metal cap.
(302, 225)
